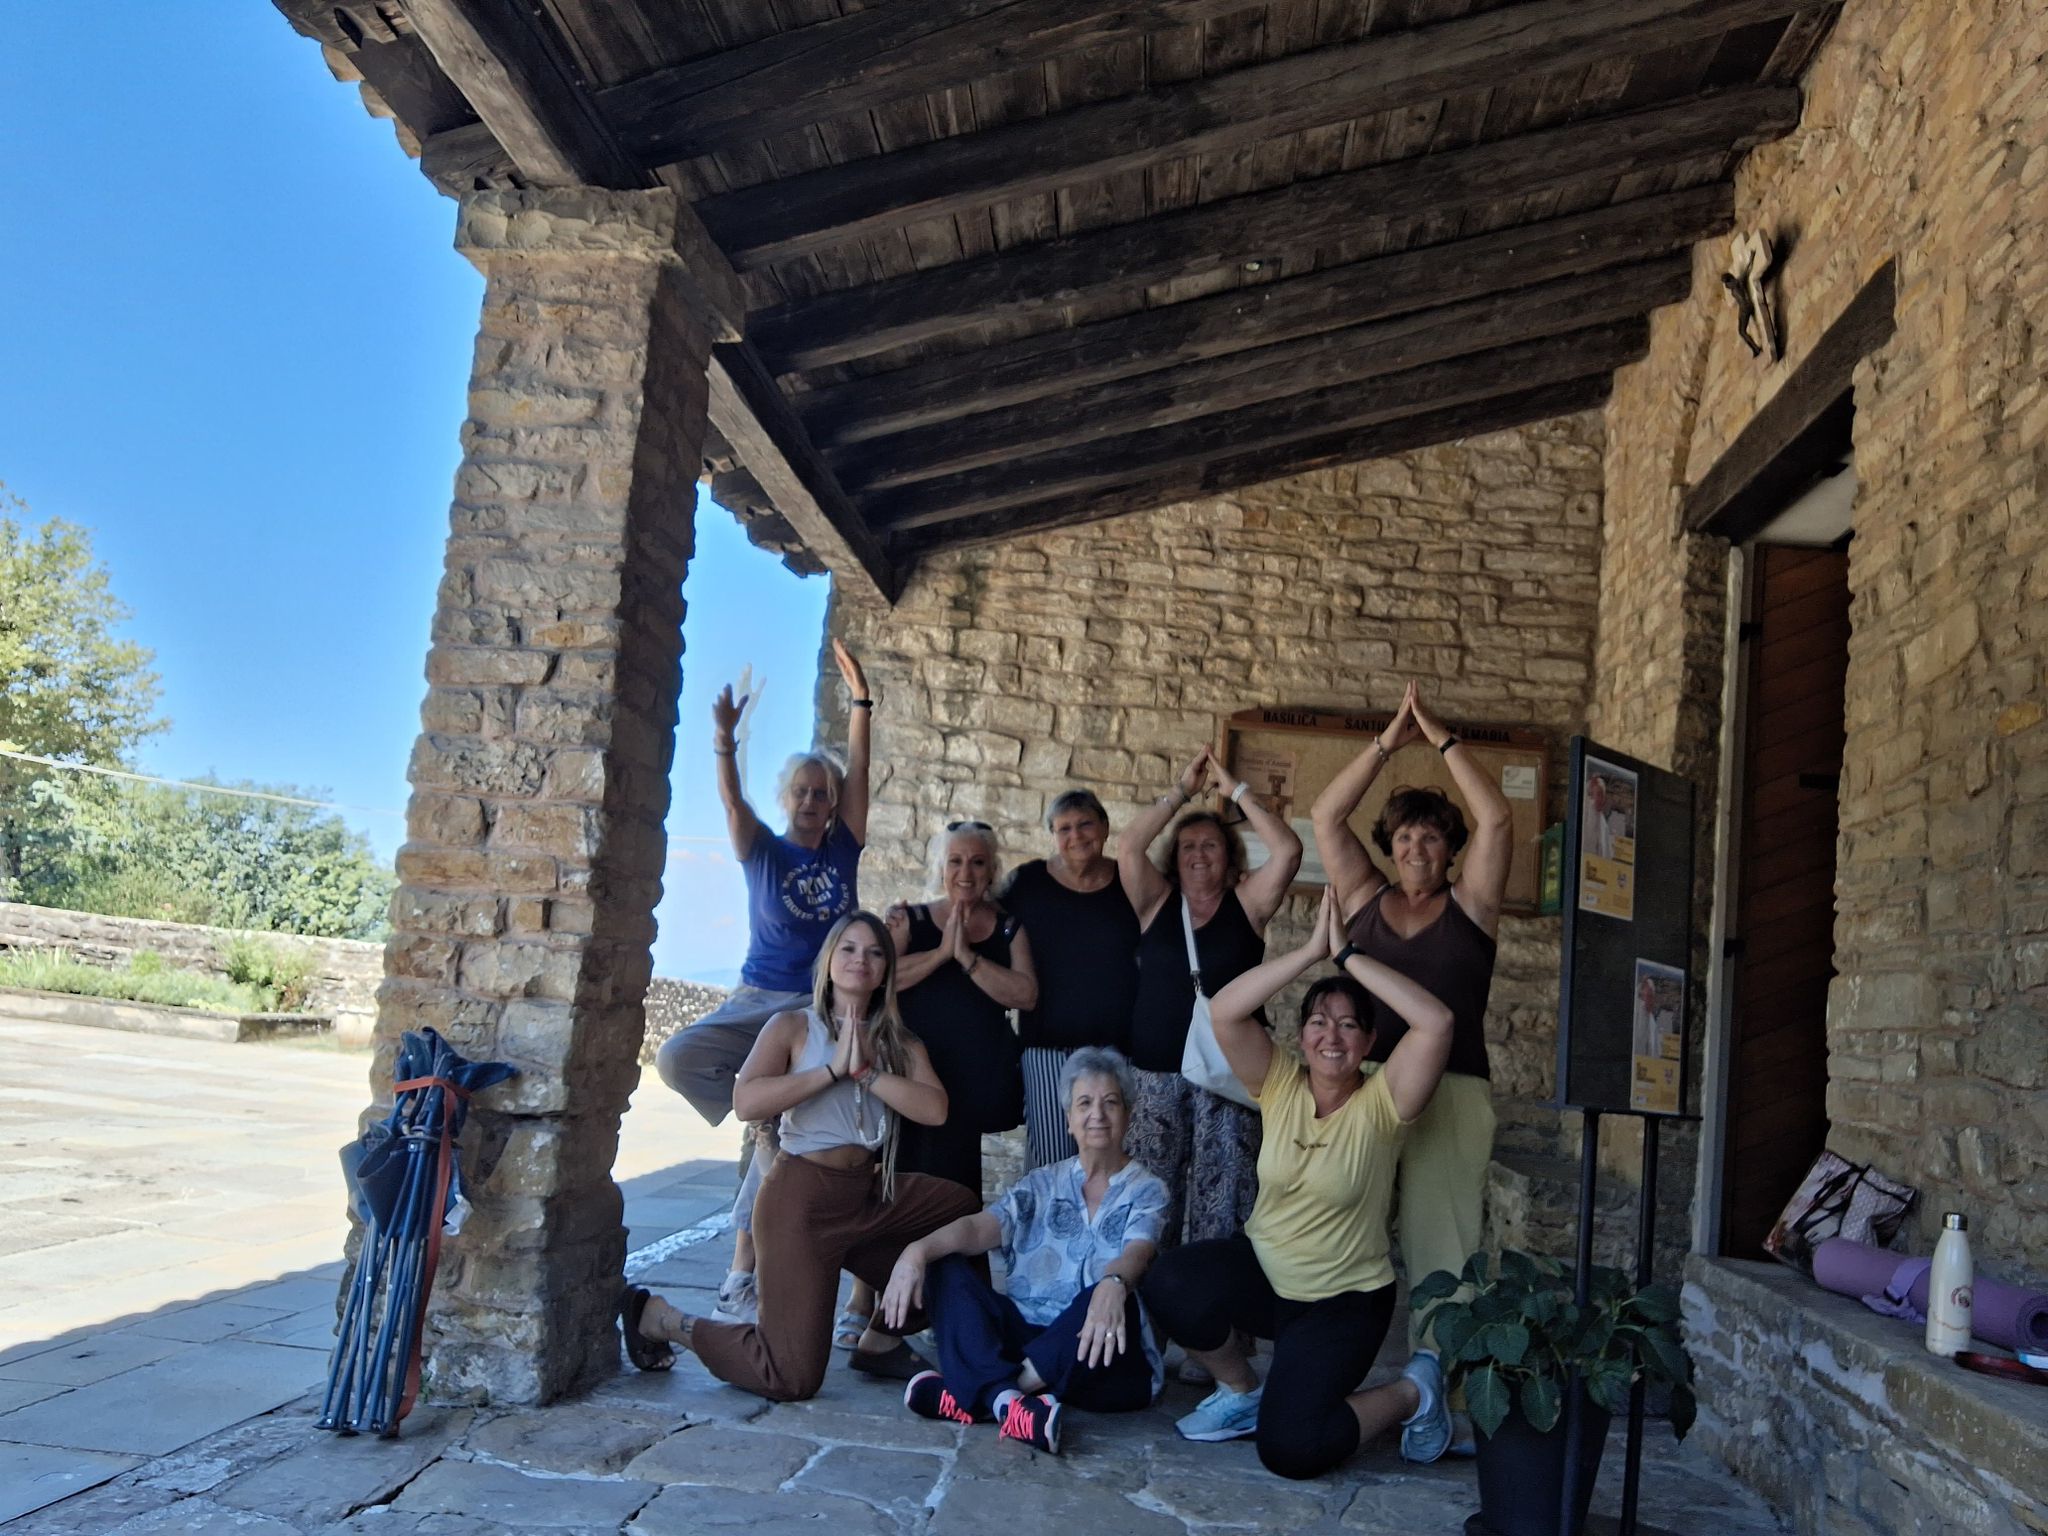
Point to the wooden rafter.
(1255, 466)
(1107, 463)
(1174, 335)
(777, 220)
(1034, 280)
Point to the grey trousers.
(700, 1060)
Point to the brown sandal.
(899, 1362)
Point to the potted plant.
(1512, 1336)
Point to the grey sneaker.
(1426, 1433)
(737, 1301)
(1223, 1415)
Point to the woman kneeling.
(840, 1074)
(1077, 1237)
(1310, 1271)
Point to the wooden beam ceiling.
(1173, 335)
(1255, 466)
(1035, 280)
(1237, 379)
(1266, 427)
(777, 220)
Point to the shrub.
(51, 971)
(284, 977)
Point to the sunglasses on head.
(969, 826)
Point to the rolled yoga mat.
(1896, 1285)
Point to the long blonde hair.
(889, 1038)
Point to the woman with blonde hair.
(840, 1075)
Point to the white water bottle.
(1948, 1288)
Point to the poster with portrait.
(1268, 773)
(1658, 1010)
(1607, 841)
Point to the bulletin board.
(1628, 916)
(1289, 756)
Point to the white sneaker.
(1223, 1415)
(737, 1300)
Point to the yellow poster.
(1659, 1042)
(1607, 841)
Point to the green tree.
(69, 688)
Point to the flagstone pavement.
(166, 1302)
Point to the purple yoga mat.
(1896, 1285)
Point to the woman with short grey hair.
(1085, 937)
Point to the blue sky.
(234, 344)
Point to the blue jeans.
(984, 1341)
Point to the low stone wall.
(345, 971)
(1846, 1423)
(671, 1005)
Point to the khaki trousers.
(1441, 1207)
(811, 1222)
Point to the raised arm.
(1245, 1043)
(1144, 887)
(1483, 877)
(912, 968)
(860, 728)
(766, 1086)
(1346, 863)
(1014, 985)
(1262, 891)
(741, 825)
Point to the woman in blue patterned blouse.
(1076, 1236)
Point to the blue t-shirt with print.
(794, 896)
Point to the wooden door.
(1785, 902)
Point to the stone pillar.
(540, 781)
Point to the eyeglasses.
(969, 826)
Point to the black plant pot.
(1521, 1473)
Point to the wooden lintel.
(800, 215)
(1086, 468)
(1264, 374)
(865, 59)
(517, 73)
(1804, 421)
(749, 411)
(1262, 226)
(1270, 463)
(1174, 335)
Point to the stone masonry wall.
(1104, 655)
(1925, 139)
(345, 971)
(522, 925)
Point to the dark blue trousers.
(984, 1341)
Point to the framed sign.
(1627, 901)
(1289, 756)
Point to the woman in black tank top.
(1439, 933)
(1205, 1148)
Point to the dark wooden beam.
(1108, 462)
(799, 215)
(1266, 373)
(1256, 466)
(1035, 280)
(749, 411)
(517, 72)
(1801, 429)
(863, 60)
(1174, 335)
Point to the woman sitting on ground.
(965, 964)
(1310, 1271)
(1077, 1237)
(839, 1074)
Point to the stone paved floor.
(199, 1415)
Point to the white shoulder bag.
(1201, 1059)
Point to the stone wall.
(345, 971)
(1925, 139)
(1104, 655)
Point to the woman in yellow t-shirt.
(1310, 1270)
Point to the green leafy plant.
(1515, 1335)
(49, 971)
(283, 977)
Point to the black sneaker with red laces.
(927, 1397)
(1035, 1420)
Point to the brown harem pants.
(810, 1223)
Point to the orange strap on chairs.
(444, 1167)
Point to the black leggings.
(1321, 1349)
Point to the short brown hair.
(1408, 807)
(1233, 848)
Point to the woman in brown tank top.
(1438, 932)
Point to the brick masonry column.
(540, 781)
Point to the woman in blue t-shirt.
(799, 883)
